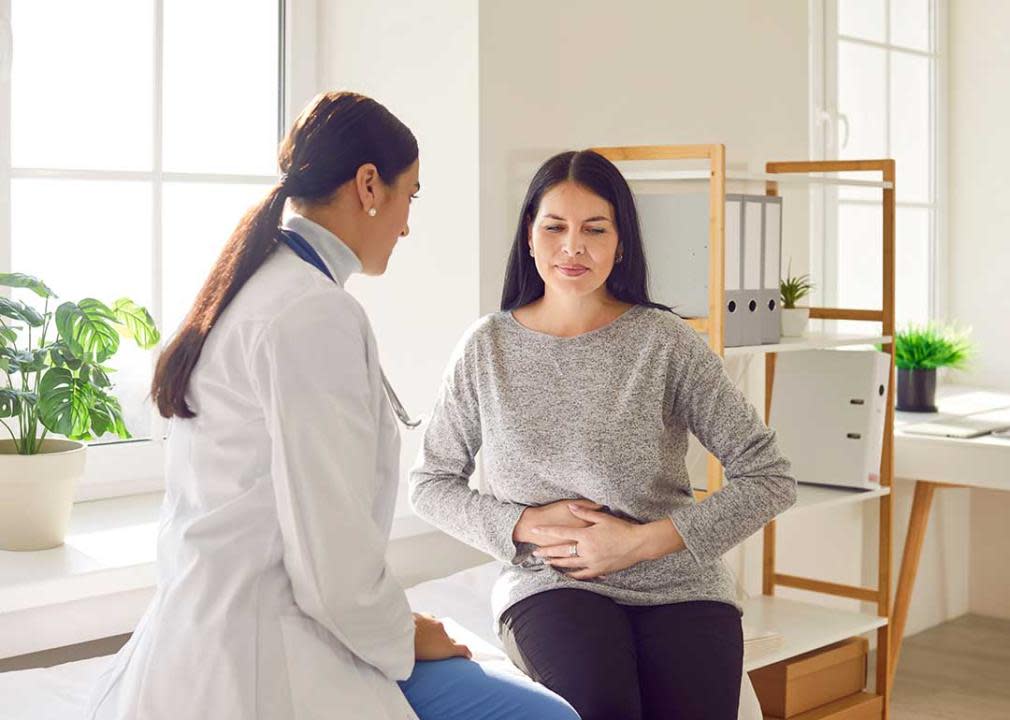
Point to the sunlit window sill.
(106, 568)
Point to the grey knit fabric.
(603, 416)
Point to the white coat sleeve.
(309, 367)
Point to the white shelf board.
(810, 496)
(810, 341)
(803, 626)
(783, 178)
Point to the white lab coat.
(274, 599)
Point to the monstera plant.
(54, 362)
(54, 379)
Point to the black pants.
(626, 662)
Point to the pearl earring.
(372, 212)
(531, 252)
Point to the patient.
(581, 393)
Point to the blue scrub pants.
(460, 689)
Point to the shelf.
(810, 341)
(810, 496)
(804, 626)
(821, 496)
(783, 179)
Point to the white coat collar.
(339, 258)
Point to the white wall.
(980, 250)
(420, 60)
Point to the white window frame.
(137, 466)
(823, 120)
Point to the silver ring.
(573, 550)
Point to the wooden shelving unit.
(805, 626)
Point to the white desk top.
(982, 462)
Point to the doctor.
(274, 599)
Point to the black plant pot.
(917, 390)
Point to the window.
(877, 90)
(139, 133)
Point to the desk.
(937, 463)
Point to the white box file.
(828, 410)
(675, 240)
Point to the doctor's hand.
(607, 545)
(431, 642)
(557, 514)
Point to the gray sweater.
(603, 416)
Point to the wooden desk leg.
(917, 523)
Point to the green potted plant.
(918, 351)
(55, 380)
(793, 289)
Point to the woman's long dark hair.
(333, 137)
(628, 281)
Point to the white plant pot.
(794, 321)
(37, 493)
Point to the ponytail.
(249, 246)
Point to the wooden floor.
(956, 671)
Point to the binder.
(675, 238)
(771, 253)
(734, 296)
(753, 270)
(828, 411)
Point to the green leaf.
(17, 310)
(20, 280)
(11, 401)
(9, 355)
(8, 336)
(107, 416)
(29, 361)
(65, 404)
(87, 329)
(138, 323)
(100, 376)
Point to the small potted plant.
(918, 351)
(55, 382)
(794, 289)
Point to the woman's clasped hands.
(588, 544)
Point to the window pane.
(221, 86)
(910, 24)
(198, 219)
(859, 260)
(910, 126)
(912, 265)
(81, 92)
(861, 19)
(79, 252)
(862, 100)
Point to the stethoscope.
(306, 252)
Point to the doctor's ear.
(367, 182)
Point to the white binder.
(828, 410)
(771, 251)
